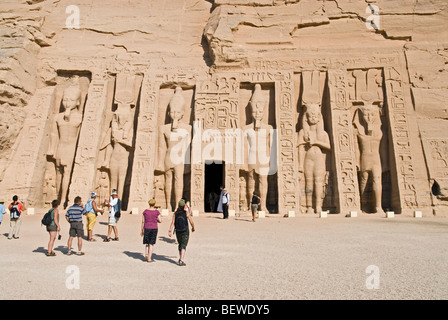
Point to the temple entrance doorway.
(214, 178)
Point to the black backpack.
(180, 221)
(47, 219)
(117, 209)
(14, 211)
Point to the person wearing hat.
(114, 215)
(2, 210)
(92, 211)
(151, 218)
(180, 223)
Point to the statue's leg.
(318, 189)
(178, 183)
(250, 184)
(362, 186)
(377, 188)
(263, 186)
(168, 188)
(64, 184)
(309, 184)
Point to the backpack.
(47, 219)
(180, 221)
(14, 211)
(117, 209)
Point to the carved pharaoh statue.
(118, 142)
(313, 142)
(64, 136)
(367, 124)
(173, 143)
(258, 137)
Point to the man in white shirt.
(114, 206)
(225, 203)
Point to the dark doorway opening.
(214, 174)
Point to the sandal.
(106, 240)
(115, 239)
(50, 254)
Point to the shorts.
(76, 229)
(182, 239)
(150, 236)
(91, 219)
(113, 221)
(52, 228)
(254, 208)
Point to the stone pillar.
(142, 188)
(347, 195)
(286, 158)
(84, 170)
(408, 178)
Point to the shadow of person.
(135, 255)
(140, 256)
(45, 250)
(168, 240)
(164, 258)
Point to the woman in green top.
(54, 227)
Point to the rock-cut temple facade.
(313, 105)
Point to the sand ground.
(274, 258)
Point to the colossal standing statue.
(313, 141)
(64, 137)
(367, 125)
(173, 144)
(258, 144)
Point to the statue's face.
(71, 99)
(257, 110)
(368, 114)
(313, 115)
(176, 112)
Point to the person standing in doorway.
(225, 203)
(219, 209)
(180, 224)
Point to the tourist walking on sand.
(151, 218)
(74, 217)
(114, 215)
(15, 208)
(225, 203)
(180, 224)
(53, 228)
(254, 205)
(92, 212)
(2, 210)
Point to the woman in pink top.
(151, 217)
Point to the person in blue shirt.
(2, 210)
(74, 217)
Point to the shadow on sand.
(157, 257)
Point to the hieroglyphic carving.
(216, 107)
(286, 162)
(398, 119)
(84, 171)
(141, 189)
(29, 156)
(344, 158)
